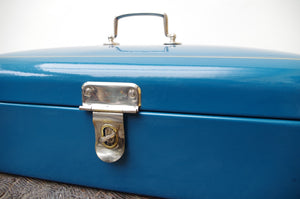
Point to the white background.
(34, 24)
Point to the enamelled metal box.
(171, 121)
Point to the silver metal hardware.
(165, 49)
(109, 101)
(166, 30)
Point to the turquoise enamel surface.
(180, 79)
(215, 122)
(167, 155)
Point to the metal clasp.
(109, 101)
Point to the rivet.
(88, 92)
(132, 93)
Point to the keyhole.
(109, 136)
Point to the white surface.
(35, 24)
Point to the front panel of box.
(167, 154)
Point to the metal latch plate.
(109, 101)
(111, 97)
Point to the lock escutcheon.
(109, 136)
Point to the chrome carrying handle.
(164, 16)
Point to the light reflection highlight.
(101, 70)
(23, 74)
